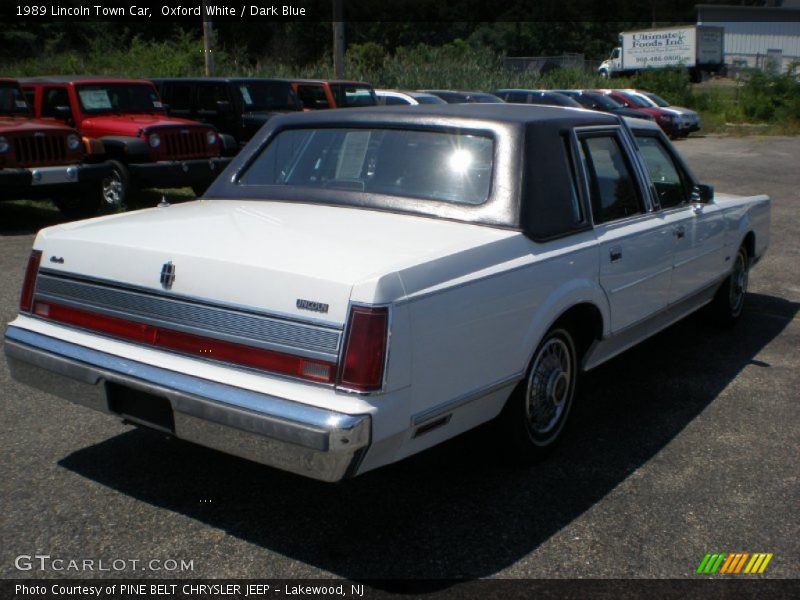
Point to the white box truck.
(696, 47)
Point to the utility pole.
(338, 39)
(208, 42)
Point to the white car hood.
(258, 253)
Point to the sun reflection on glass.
(460, 160)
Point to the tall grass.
(765, 98)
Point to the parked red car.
(44, 160)
(666, 119)
(145, 147)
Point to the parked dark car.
(536, 97)
(601, 102)
(236, 106)
(459, 97)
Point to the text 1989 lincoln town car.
(360, 285)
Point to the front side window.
(672, 185)
(109, 98)
(11, 99)
(428, 165)
(612, 186)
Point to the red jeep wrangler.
(145, 147)
(41, 160)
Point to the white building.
(762, 37)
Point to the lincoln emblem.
(167, 275)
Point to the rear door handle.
(680, 232)
(615, 254)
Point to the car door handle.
(680, 232)
(615, 254)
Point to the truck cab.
(40, 160)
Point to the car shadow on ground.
(28, 216)
(457, 511)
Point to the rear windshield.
(347, 95)
(428, 165)
(268, 95)
(110, 98)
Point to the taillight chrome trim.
(195, 316)
(343, 348)
(28, 294)
(185, 344)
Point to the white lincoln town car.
(360, 285)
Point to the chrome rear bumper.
(315, 442)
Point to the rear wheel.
(728, 303)
(537, 410)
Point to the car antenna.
(163, 203)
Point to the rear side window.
(178, 96)
(671, 182)
(51, 98)
(312, 96)
(552, 206)
(395, 101)
(428, 165)
(612, 186)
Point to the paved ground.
(686, 445)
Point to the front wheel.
(117, 189)
(537, 410)
(728, 303)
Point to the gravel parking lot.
(686, 445)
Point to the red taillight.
(28, 285)
(258, 358)
(365, 349)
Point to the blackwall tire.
(729, 300)
(534, 417)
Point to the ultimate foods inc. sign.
(659, 48)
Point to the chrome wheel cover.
(113, 189)
(738, 283)
(551, 384)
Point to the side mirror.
(703, 193)
(224, 107)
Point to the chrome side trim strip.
(260, 331)
(641, 280)
(451, 405)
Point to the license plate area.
(140, 407)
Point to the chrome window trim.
(631, 155)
